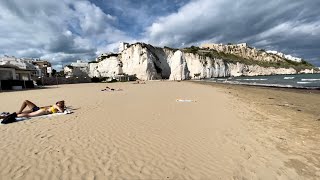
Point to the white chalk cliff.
(179, 68)
(150, 63)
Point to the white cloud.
(92, 19)
(70, 30)
(282, 25)
(60, 32)
(227, 20)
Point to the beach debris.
(111, 89)
(286, 105)
(281, 138)
(185, 100)
(139, 82)
(67, 111)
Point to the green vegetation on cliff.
(231, 58)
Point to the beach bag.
(9, 119)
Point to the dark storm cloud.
(70, 30)
(289, 26)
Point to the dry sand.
(143, 133)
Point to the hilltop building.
(219, 46)
(289, 57)
(123, 46)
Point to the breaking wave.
(288, 78)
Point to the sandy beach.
(142, 132)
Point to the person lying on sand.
(139, 82)
(111, 89)
(34, 110)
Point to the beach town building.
(12, 68)
(78, 69)
(17, 72)
(36, 67)
(44, 68)
(14, 73)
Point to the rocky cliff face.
(150, 63)
(106, 68)
(246, 52)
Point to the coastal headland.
(143, 132)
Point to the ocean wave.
(310, 79)
(252, 79)
(277, 85)
(299, 82)
(288, 77)
(270, 85)
(262, 84)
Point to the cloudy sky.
(66, 30)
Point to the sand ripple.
(141, 133)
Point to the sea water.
(306, 81)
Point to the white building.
(12, 68)
(12, 73)
(79, 63)
(79, 69)
(242, 45)
(289, 57)
(123, 46)
(217, 46)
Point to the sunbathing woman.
(111, 89)
(38, 111)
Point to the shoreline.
(285, 88)
(305, 99)
(290, 119)
(293, 81)
(272, 86)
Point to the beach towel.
(67, 111)
(185, 100)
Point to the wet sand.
(293, 117)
